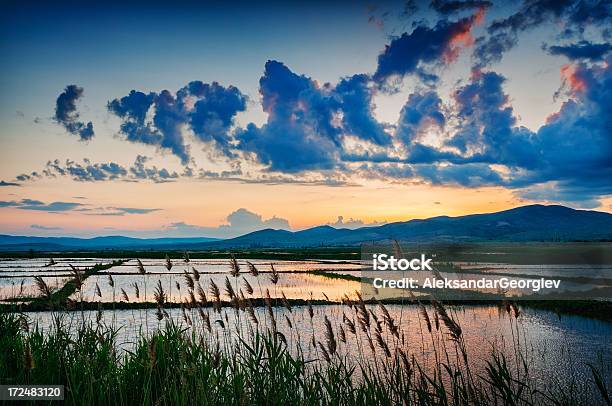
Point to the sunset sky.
(218, 118)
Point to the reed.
(354, 354)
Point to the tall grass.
(204, 356)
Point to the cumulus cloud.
(352, 223)
(308, 123)
(206, 109)
(420, 111)
(437, 45)
(239, 222)
(573, 149)
(322, 133)
(213, 113)
(67, 115)
(300, 133)
(355, 94)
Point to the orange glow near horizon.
(207, 204)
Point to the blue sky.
(370, 111)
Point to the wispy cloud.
(45, 228)
(117, 211)
(36, 205)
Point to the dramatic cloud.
(581, 50)
(572, 17)
(66, 113)
(213, 113)
(441, 44)
(573, 149)
(4, 183)
(300, 133)
(420, 111)
(133, 110)
(207, 109)
(307, 123)
(239, 222)
(355, 95)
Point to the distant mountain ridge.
(526, 223)
(24, 243)
(521, 224)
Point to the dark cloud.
(486, 130)
(300, 133)
(4, 183)
(420, 111)
(581, 50)
(133, 110)
(355, 94)
(572, 17)
(207, 109)
(214, 112)
(468, 175)
(573, 150)
(450, 7)
(169, 119)
(424, 45)
(308, 123)
(67, 115)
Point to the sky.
(214, 119)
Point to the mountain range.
(521, 224)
